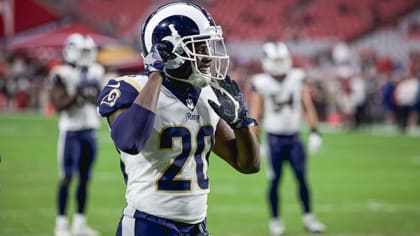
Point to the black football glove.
(159, 54)
(232, 108)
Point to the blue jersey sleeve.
(117, 93)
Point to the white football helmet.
(88, 52)
(72, 45)
(276, 59)
(183, 26)
(341, 53)
(79, 50)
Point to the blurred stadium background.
(362, 59)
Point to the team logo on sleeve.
(111, 98)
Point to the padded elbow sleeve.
(131, 130)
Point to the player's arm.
(257, 110)
(314, 139)
(235, 142)
(59, 96)
(147, 98)
(131, 127)
(310, 113)
(238, 147)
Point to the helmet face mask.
(276, 59)
(199, 52)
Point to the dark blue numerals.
(168, 180)
(205, 131)
(279, 105)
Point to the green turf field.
(362, 184)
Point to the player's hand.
(314, 142)
(232, 108)
(158, 56)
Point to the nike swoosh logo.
(117, 85)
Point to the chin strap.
(196, 79)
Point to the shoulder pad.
(59, 70)
(258, 82)
(259, 76)
(297, 74)
(119, 93)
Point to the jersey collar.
(189, 99)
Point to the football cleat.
(83, 230)
(276, 227)
(312, 225)
(61, 227)
(61, 231)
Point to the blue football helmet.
(184, 26)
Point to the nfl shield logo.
(190, 103)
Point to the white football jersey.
(81, 116)
(169, 177)
(407, 92)
(282, 101)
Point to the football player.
(165, 123)
(76, 86)
(279, 100)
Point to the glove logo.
(232, 108)
(111, 98)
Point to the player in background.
(76, 86)
(166, 122)
(351, 98)
(279, 101)
(406, 97)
